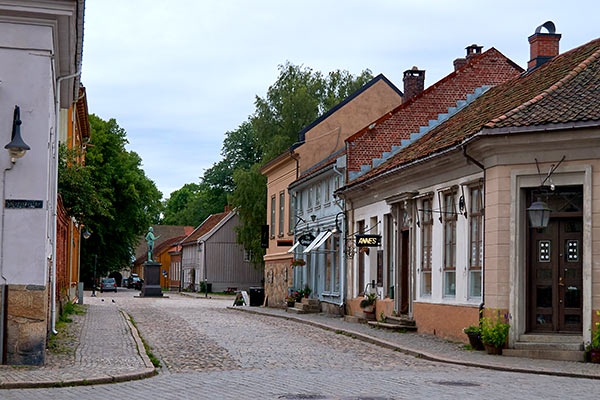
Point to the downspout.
(204, 265)
(297, 162)
(480, 165)
(4, 289)
(343, 267)
(54, 199)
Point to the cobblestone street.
(211, 352)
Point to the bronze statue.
(150, 238)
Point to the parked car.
(108, 284)
(124, 282)
(134, 282)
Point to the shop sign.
(306, 239)
(368, 240)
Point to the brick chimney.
(543, 46)
(414, 82)
(472, 51)
(459, 62)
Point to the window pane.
(292, 212)
(475, 284)
(426, 283)
(336, 263)
(318, 195)
(281, 211)
(450, 283)
(328, 261)
(310, 195)
(272, 215)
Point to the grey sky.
(178, 74)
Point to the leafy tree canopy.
(116, 199)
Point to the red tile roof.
(565, 89)
(205, 227)
(489, 68)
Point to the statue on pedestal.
(150, 238)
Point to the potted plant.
(474, 334)
(290, 300)
(368, 303)
(593, 349)
(494, 332)
(298, 263)
(307, 291)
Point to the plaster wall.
(26, 71)
(329, 135)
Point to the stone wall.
(278, 278)
(26, 324)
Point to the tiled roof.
(166, 232)
(435, 104)
(167, 244)
(565, 89)
(205, 227)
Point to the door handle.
(560, 281)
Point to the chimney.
(459, 62)
(472, 51)
(543, 46)
(414, 82)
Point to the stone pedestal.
(151, 286)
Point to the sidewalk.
(434, 348)
(100, 346)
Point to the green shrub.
(494, 331)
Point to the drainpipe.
(204, 265)
(54, 199)
(4, 289)
(480, 165)
(343, 267)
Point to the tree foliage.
(298, 97)
(124, 204)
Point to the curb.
(147, 372)
(418, 353)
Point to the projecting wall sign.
(306, 239)
(23, 204)
(368, 240)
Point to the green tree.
(177, 203)
(132, 200)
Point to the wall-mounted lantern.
(539, 214)
(17, 147)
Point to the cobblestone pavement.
(212, 352)
(96, 345)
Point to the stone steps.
(548, 346)
(400, 320)
(305, 306)
(560, 355)
(392, 326)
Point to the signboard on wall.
(368, 240)
(306, 239)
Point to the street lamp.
(17, 147)
(86, 235)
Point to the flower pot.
(475, 340)
(491, 349)
(291, 303)
(369, 309)
(594, 355)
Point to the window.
(318, 195)
(426, 228)
(327, 192)
(273, 216)
(292, 212)
(281, 212)
(361, 260)
(310, 200)
(336, 262)
(328, 264)
(298, 204)
(389, 242)
(449, 218)
(475, 242)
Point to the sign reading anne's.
(306, 239)
(368, 240)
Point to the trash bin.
(257, 296)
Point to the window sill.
(318, 207)
(326, 204)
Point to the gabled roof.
(356, 93)
(166, 245)
(165, 232)
(205, 227)
(410, 120)
(564, 90)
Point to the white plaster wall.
(27, 80)
(462, 248)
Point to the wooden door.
(404, 276)
(555, 277)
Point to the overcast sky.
(178, 74)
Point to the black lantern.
(17, 147)
(539, 214)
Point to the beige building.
(469, 194)
(319, 140)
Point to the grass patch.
(55, 344)
(155, 361)
(468, 347)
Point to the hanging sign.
(306, 239)
(368, 240)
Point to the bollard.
(80, 292)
